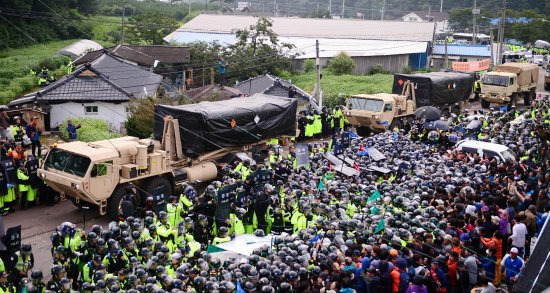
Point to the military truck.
(98, 172)
(448, 91)
(509, 82)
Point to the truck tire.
(155, 182)
(363, 131)
(527, 98)
(113, 203)
(513, 101)
(485, 104)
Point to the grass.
(334, 86)
(15, 65)
(102, 26)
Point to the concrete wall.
(114, 114)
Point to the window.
(387, 108)
(491, 154)
(365, 104)
(495, 80)
(100, 169)
(469, 150)
(90, 110)
(67, 162)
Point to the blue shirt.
(221, 67)
(71, 129)
(512, 266)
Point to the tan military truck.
(509, 82)
(97, 172)
(378, 112)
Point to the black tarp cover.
(206, 126)
(436, 88)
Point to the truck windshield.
(64, 161)
(366, 104)
(495, 80)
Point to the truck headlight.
(42, 175)
(376, 117)
(74, 185)
(348, 113)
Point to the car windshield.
(366, 104)
(509, 155)
(495, 80)
(64, 161)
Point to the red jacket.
(452, 265)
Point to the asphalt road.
(39, 222)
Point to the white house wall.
(114, 114)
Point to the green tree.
(88, 7)
(256, 51)
(341, 64)
(150, 28)
(141, 117)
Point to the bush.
(407, 70)
(53, 62)
(342, 64)
(377, 69)
(92, 129)
(309, 65)
(141, 117)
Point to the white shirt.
(518, 235)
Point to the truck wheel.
(527, 99)
(113, 203)
(363, 131)
(485, 104)
(154, 183)
(513, 101)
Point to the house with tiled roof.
(99, 89)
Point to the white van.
(501, 152)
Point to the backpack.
(404, 280)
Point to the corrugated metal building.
(392, 44)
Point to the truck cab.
(498, 87)
(509, 82)
(378, 112)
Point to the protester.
(427, 218)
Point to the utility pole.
(275, 7)
(330, 8)
(189, 4)
(491, 43)
(317, 96)
(288, 9)
(206, 9)
(383, 10)
(501, 26)
(441, 6)
(446, 55)
(123, 12)
(475, 12)
(343, 8)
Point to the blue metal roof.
(463, 50)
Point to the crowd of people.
(441, 220)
